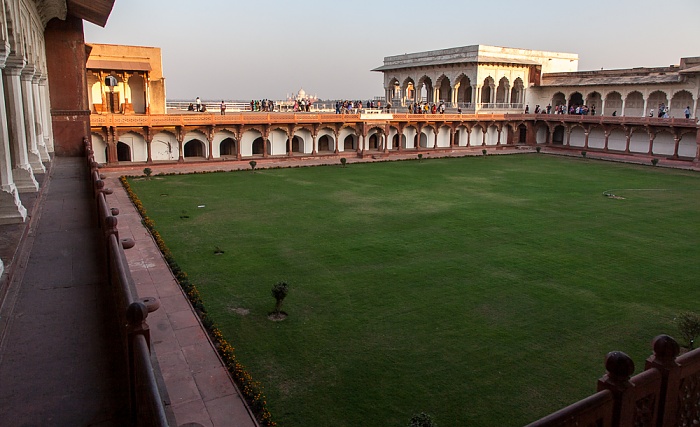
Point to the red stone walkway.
(199, 387)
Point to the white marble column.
(30, 120)
(46, 113)
(40, 126)
(22, 173)
(11, 208)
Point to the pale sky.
(227, 49)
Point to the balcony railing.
(146, 406)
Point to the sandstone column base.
(35, 162)
(24, 180)
(11, 209)
(44, 152)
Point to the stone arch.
(258, 146)
(99, 148)
(594, 100)
(194, 148)
(687, 146)
(517, 92)
(138, 150)
(577, 136)
(634, 104)
(639, 140)
(325, 144)
(613, 104)
(502, 90)
(464, 89)
(409, 88)
(542, 134)
(137, 87)
(227, 147)
(681, 100)
(425, 83)
(394, 87)
(657, 100)
(575, 100)
(664, 143)
(487, 90)
(522, 133)
(617, 140)
(95, 93)
(558, 99)
(123, 152)
(444, 89)
(350, 142)
(558, 135)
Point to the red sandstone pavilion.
(61, 98)
(487, 90)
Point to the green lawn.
(484, 290)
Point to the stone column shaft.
(30, 123)
(11, 208)
(21, 169)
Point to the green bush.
(252, 164)
(147, 172)
(420, 157)
(654, 161)
(343, 161)
(484, 152)
(538, 149)
(688, 324)
(583, 153)
(279, 291)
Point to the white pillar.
(46, 113)
(30, 120)
(39, 119)
(22, 173)
(11, 208)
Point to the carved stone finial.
(665, 347)
(619, 365)
(136, 313)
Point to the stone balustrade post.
(620, 368)
(666, 350)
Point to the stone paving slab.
(199, 387)
(60, 351)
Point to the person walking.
(223, 108)
(687, 112)
(199, 104)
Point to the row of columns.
(25, 134)
(476, 92)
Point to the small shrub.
(252, 164)
(343, 161)
(538, 149)
(688, 324)
(279, 291)
(654, 161)
(147, 172)
(484, 152)
(420, 157)
(583, 153)
(422, 420)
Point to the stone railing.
(666, 393)
(146, 406)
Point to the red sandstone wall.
(65, 60)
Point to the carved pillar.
(314, 135)
(336, 132)
(387, 132)
(30, 120)
(628, 137)
(180, 136)
(210, 140)
(652, 136)
(568, 136)
(112, 140)
(586, 132)
(453, 97)
(266, 141)
(290, 137)
(551, 136)
(11, 208)
(435, 140)
(452, 137)
(149, 140)
(644, 109)
(39, 120)
(400, 135)
(607, 135)
(46, 113)
(22, 172)
(239, 134)
(676, 143)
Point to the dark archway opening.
(558, 136)
(324, 144)
(123, 152)
(259, 146)
(522, 134)
(228, 147)
(194, 148)
(349, 143)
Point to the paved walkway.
(59, 343)
(199, 387)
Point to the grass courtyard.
(484, 291)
